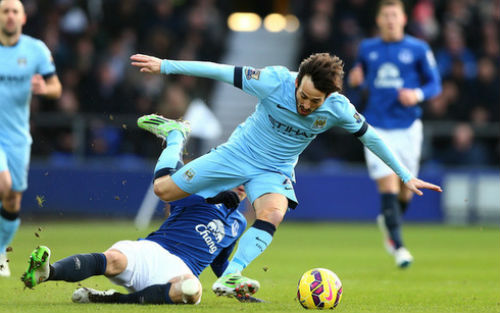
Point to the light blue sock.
(253, 242)
(8, 229)
(172, 154)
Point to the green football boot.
(39, 267)
(235, 285)
(161, 126)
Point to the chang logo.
(212, 233)
(388, 77)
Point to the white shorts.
(148, 264)
(406, 145)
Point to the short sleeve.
(45, 61)
(346, 115)
(260, 82)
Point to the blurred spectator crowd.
(92, 40)
(464, 35)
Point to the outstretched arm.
(154, 65)
(375, 144)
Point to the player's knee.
(161, 190)
(271, 214)
(12, 202)
(116, 262)
(191, 290)
(5, 188)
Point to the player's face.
(391, 21)
(308, 98)
(12, 17)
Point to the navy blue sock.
(156, 294)
(403, 206)
(390, 210)
(78, 267)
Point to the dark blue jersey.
(200, 233)
(390, 66)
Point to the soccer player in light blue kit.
(26, 67)
(399, 72)
(162, 268)
(262, 152)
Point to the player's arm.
(369, 137)
(431, 87)
(353, 122)
(48, 86)
(220, 263)
(259, 83)
(430, 75)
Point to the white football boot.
(388, 243)
(88, 295)
(403, 257)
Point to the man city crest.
(319, 123)
(189, 175)
(22, 61)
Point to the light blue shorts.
(222, 170)
(16, 160)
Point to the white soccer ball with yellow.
(319, 288)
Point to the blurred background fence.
(89, 158)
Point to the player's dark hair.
(385, 3)
(326, 71)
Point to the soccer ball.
(319, 288)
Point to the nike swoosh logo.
(281, 107)
(330, 296)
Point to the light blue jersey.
(275, 134)
(18, 64)
(262, 152)
(390, 66)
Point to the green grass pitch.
(457, 269)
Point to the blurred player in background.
(164, 267)
(262, 152)
(26, 67)
(399, 72)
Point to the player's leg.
(151, 273)
(270, 193)
(183, 289)
(390, 219)
(175, 134)
(71, 269)
(14, 161)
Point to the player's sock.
(78, 267)
(156, 294)
(403, 206)
(390, 210)
(253, 242)
(9, 223)
(171, 157)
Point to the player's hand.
(408, 97)
(38, 85)
(148, 64)
(356, 76)
(229, 198)
(416, 184)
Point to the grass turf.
(457, 269)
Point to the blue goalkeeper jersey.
(200, 233)
(390, 66)
(18, 64)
